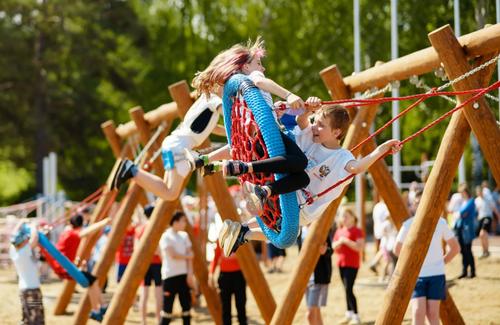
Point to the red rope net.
(247, 144)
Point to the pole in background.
(456, 12)
(396, 131)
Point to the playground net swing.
(246, 135)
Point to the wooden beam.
(475, 44)
(431, 205)
(481, 120)
(164, 113)
(126, 291)
(88, 243)
(118, 228)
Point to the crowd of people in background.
(469, 214)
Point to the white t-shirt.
(484, 207)
(325, 167)
(455, 203)
(434, 260)
(199, 122)
(180, 242)
(389, 234)
(26, 267)
(380, 214)
(267, 96)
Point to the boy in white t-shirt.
(200, 120)
(430, 288)
(23, 242)
(177, 268)
(328, 162)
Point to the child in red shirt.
(124, 252)
(231, 282)
(348, 242)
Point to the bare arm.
(355, 245)
(176, 256)
(34, 235)
(272, 87)
(453, 251)
(94, 227)
(361, 165)
(397, 248)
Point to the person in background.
(231, 283)
(23, 241)
(317, 288)
(348, 243)
(486, 209)
(153, 274)
(124, 252)
(177, 268)
(430, 288)
(276, 257)
(464, 229)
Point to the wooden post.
(118, 309)
(118, 228)
(126, 292)
(481, 120)
(120, 224)
(435, 192)
(475, 44)
(88, 243)
(84, 250)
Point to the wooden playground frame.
(454, 54)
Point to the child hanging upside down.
(328, 163)
(199, 122)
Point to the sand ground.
(477, 299)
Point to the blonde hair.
(225, 64)
(351, 213)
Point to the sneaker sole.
(231, 238)
(224, 231)
(116, 168)
(253, 202)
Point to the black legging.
(467, 257)
(233, 283)
(348, 276)
(294, 162)
(171, 287)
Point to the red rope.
(479, 94)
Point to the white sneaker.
(355, 320)
(224, 231)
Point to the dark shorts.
(273, 251)
(430, 287)
(89, 277)
(153, 274)
(485, 223)
(119, 271)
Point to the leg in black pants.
(294, 162)
(233, 283)
(171, 287)
(240, 296)
(348, 276)
(225, 296)
(467, 257)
